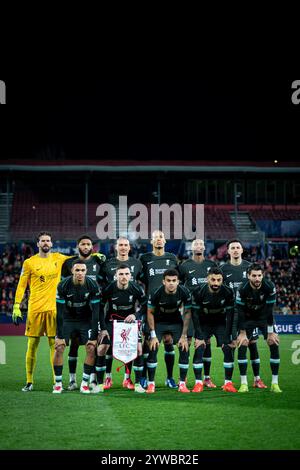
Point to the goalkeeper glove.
(100, 256)
(17, 314)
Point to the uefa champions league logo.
(297, 328)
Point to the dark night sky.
(203, 119)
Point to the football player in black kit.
(154, 265)
(235, 274)
(164, 317)
(93, 263)
(255, 302)
(193, 272)
(108, 274)
(78, 300)
(108, 269)
(120, 298)
(213, 314)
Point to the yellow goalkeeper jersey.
(42, 275)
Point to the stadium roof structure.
(150, 166)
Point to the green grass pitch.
(122, 419)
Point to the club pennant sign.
(125, 341)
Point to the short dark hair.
(84, 237)
(123, 266)
(233, 240)
(216, 271)
(170, 272)
(78, 261)
(255, 267)
(41, 234)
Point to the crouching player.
(255, 302)
(78, 300)
(123, 300)
(164, 317)
(213, 315)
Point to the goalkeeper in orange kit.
(41, 273)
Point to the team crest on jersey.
(168, 262)
(130, 298)
(244, 274)
(42, 278)
(261, 297)
(222, 301)
(94, 267)
(132, 269)
(86, 294)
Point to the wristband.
(152, 334)
(270, 329)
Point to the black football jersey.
(78, 303)
(167, 307)
(256, 304)
(193, 274)
(213, 306)
(93, 268)
(235, 276)
(123, 302)
(154, 268)
(108, 269)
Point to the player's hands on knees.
(242, 340)
(183, 343)
(130, 319)
(17, 315)
(91, 343)
(154, 343)
(198, 343)
(59, 343)
(273, 338)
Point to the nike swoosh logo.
(190, 272)
(204, 303)
(113, 269)
(69, 295)
(228, 275)
(149, 262)
(114, 298)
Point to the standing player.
(108, 269)
(77, 300)
(213, 314)
(124, 300)
(41, 273)
(154, 266)
(235, 274)
(93, 265)
(193, 272)
(255, 302)
(108, 274)
(164, 317)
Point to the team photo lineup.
(150, 268)
(173, 303)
